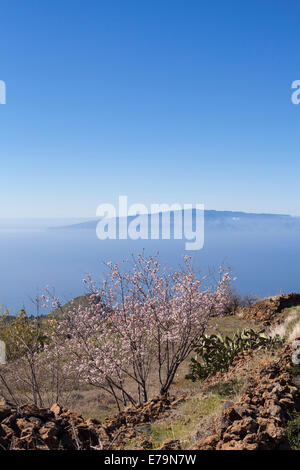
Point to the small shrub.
(294, 369)
(293, 432)
(28, 375)
(236, 301)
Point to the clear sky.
(162, 100)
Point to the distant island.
(215, 220)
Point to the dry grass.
(230, 325)
(93, 403)
(294, 330)
(295, 334)
(284, 329)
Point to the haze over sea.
(262, 251)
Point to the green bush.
(293, 432)
(217, 353)
(22, 334)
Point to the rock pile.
(171, 444)
(31, 428)
(131, 423)
(267, 311)
(258, 420)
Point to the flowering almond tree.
(143, 319)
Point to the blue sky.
(163, 101)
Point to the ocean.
(264, 262)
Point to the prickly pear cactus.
(216, 353)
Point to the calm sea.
(264, 263)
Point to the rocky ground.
(267, 311)
(258, 420)
(31, 428)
